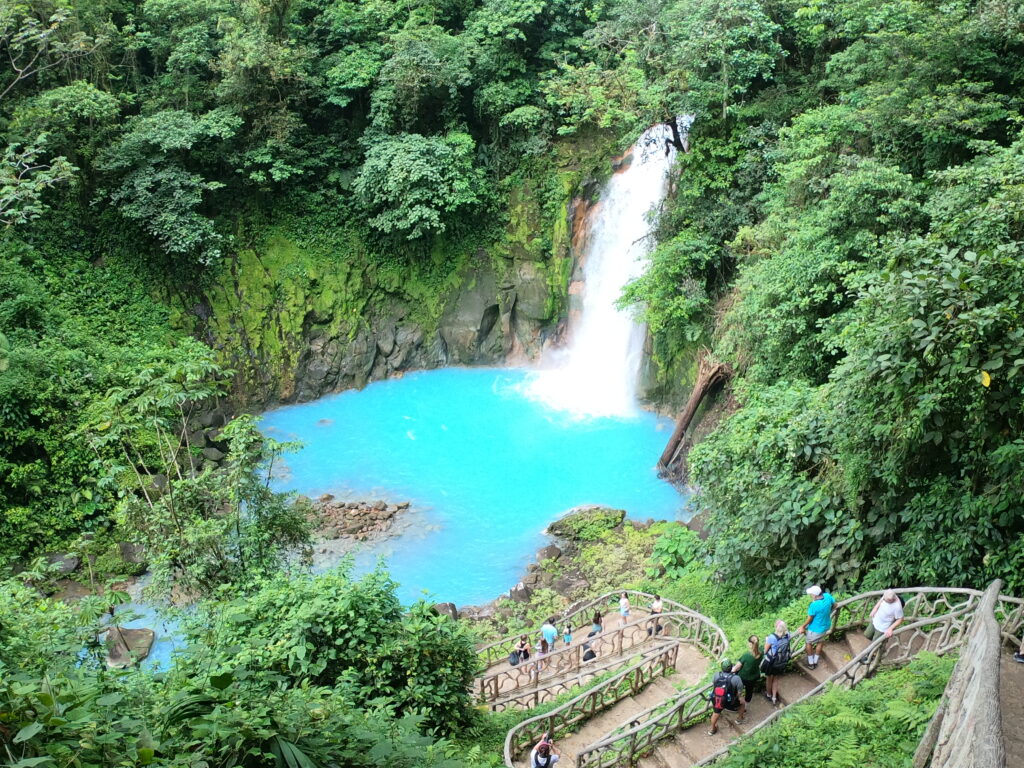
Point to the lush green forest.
(844, 231)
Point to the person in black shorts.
(725, 694)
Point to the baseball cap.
(814, 591)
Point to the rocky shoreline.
(354, 520)
(557, 571)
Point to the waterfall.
(596, 373)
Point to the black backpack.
(777, 657)
(724, 695)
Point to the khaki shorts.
(815, 637)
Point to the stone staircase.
(607, 726)
(504, 686)
(690, 746)
(690, 669)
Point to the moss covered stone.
(587, 523)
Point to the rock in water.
(587, 523)
(128, 646)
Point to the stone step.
(856, 641)
(674, 754)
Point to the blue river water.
(485, 467)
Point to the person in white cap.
(885, 616)
(819, 622)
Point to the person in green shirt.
(747, 667)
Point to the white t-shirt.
(887, 614)
(623, 605)
(552, 759)
(656, 606)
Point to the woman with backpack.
(775, 659)
(545, 754)
(523, 649)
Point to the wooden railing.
(550, 691)
(693, 628)
(684, 624)
(580, 615)
(936, 619)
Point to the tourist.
(775, 659)
(725, 694)
(819, 622)
(567, 633)
(523, 648)
(595, 626)
(885, 616)
(624, 608)
(542, 651)
(545, 754)
(589, 654)
(549, 633)
(747, 667)
(656, 610)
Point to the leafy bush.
(413, 186)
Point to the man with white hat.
(885, 616)
(819, 622)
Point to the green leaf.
(28, 732)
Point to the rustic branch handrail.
(622, 748)
(499, 650)
(534, 698)
(679, 624)
(946, 612)
(707, 636)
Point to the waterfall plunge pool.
(485, 466)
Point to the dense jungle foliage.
(844, 231)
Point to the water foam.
(596, 373)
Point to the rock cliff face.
(296, 322)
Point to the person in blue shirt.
(549, 633)
(819, 622)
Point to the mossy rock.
(587, 523)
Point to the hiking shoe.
(1019, 657)
(712, 733)
(741, 720)
(813, 666)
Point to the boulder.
(570, 585)
(213, 454)
(550, 552)
(212, 419)
(477, 612)
(520, 593)
(131, 553)
(587, 523)
(446, 609)
(197, 439)
(128, 646)
(63, 562)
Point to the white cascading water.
(596, 373)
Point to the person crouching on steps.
(545, 754)
(725, 694)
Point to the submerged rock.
(128, 646)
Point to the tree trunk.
(708, 375)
